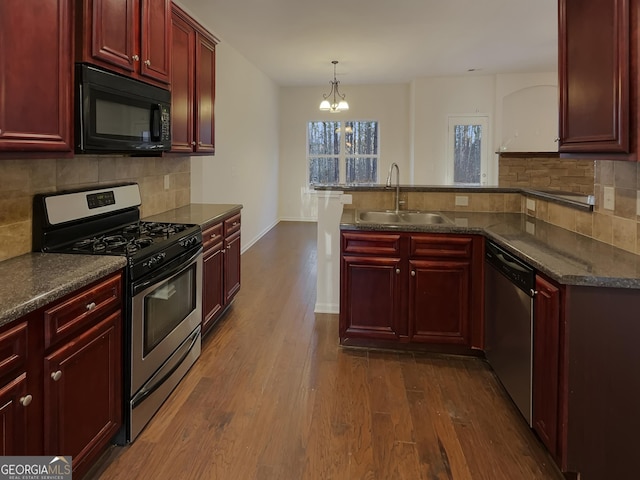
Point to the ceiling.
(384, 41)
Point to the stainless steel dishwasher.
(509, 293)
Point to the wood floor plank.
(274, 396)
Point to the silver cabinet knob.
(57, 375)
(135, 58)
(26, 400)
(91, 306)
(147, 63)
(397, 270)
(193, 144)
(413, 273)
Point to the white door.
(468, 150)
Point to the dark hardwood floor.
(274, 396)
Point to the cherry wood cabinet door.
(594, 75)
(16, 400)
(36, 76)
(155, 41)
(213, 295)
(439, 299)
(205, 94)
(14, 408)
(113, 32)
(82, 393)
(182, 85)
(546, 363)
(370, 298)
(231, 266)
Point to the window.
(342, 152)
(468, 150)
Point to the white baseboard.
(326, 308)
(298, 219)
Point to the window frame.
(342, 154)
(482, 119)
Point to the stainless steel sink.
(389, 217)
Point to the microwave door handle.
(156, 120)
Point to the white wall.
(245, 167)
(388, 104)
(434, 99)
(526, 112)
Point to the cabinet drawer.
(211, 236)
(440, 246)
(371, 243)
(13, 349)
(81, 310)
(231, 225)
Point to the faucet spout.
(397, 196)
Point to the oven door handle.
(164, 372)
(166, 274)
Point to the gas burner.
(161, 229)
(136, 245)
(114, 242)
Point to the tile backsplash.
(546, 173)
(618, 226)
(21, 179)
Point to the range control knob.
(155, 259)
(188, 242)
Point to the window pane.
(361, 138)
(362, 170)
(324, 138)
(324, 170)
(467, 151)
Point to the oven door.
(166, 310)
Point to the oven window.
(167, 306)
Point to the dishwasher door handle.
(513, 265)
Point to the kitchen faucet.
(397, 202)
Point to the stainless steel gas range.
(163, 285)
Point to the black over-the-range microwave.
(116, 114)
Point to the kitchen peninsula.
(584, 333)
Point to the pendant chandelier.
(334, 101)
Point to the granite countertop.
(564, 256)
(34, 280)
(203, 214)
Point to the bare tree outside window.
(353, 144)
(467, 148)
(361, 145)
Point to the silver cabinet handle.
(413, 273)
(57, 375)
(135, 58)
(147, 63)
(26, 400)
(91, 306)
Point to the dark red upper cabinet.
(131, 37)
(193, 86)
(36, 77)
(595, 71)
